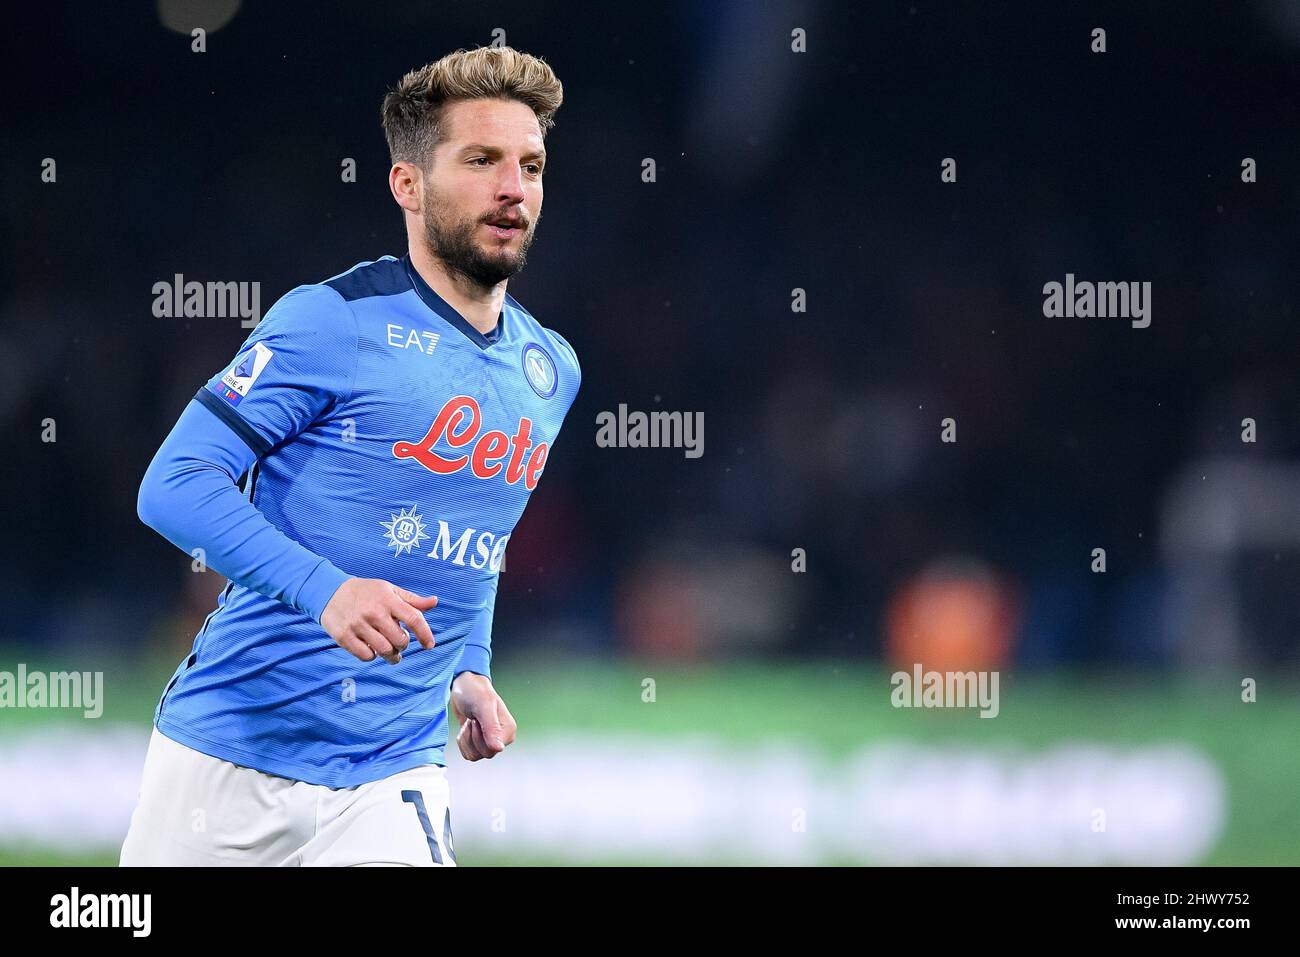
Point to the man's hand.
(364, 615)
(486, 725)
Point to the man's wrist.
(319, 589)
(474, 658)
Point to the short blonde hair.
(412, 112)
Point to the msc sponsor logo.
(407, 531)
(492, 453)
(489, 549)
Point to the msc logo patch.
(405, 531)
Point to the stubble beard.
(454, 242)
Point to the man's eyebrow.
(496, 151)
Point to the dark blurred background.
(776, 171)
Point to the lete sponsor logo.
(488, 455)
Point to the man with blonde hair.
(390, 424)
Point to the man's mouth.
(505, 228)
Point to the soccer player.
(392, 422)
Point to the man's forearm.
(189, 496)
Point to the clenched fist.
(486, 724)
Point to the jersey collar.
(445, 309)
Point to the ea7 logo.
(401, 338)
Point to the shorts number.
(417, 798)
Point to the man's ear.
(406, 181)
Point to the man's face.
(488, 170)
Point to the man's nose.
(510, 187)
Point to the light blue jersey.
(384, 437)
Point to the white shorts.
(199, 811)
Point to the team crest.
(405, 531)
(539, 370)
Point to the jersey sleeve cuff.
(474, 658)
(319, 588)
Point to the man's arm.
(486, 725)
(476, 652)
(189, 496)
(297, 364)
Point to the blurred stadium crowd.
(773, 172)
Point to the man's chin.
(491, 271)
(504, 263)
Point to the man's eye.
(535, 168)
(479, 159)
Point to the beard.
(454, 241)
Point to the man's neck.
(480, 307)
